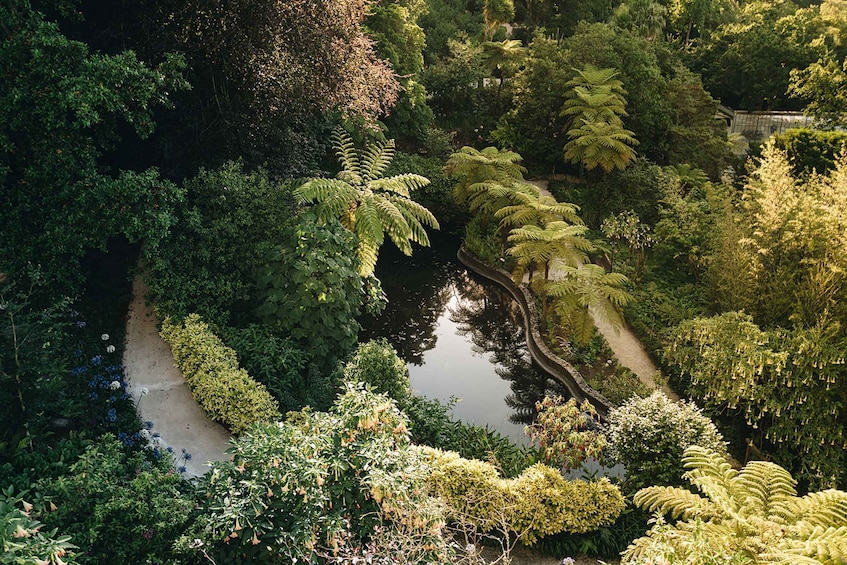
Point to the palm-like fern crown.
(594, 96)
(369, 204)
(601, 144)
(540, 246)
(584, 291)
(756, 511)
(474, 170)
(532, 208)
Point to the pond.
(461, 336)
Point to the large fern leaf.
(678, 502)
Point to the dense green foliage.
(225, 391)
(22, 539)
(62, 110)
(311, 289)
(117, 507)
(210, 262)
(811, 150)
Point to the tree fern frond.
(376, 159)
(345, 151)
(678, 502)
(823, 508)
(400, 184)
(765, 485)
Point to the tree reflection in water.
(432, 288)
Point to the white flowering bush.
(649, 435)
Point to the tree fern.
(754, 512)
(369, 204)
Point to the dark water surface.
(461, 335)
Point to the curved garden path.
(163, 397)
(622, 341)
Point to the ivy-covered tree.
(62, 109)
(369, 205)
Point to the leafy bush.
(649, 435)
(620, 386)
(278, 363)
(538, 502)
(336, 484)
(310, 288)
(484, 242)
(607, 541)
(208, 265)
(566, 432)
(810, 150)
(119, 508)
(377, 364)
(226, 392)
(21, 538)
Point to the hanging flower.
(110, 348)
(105, 337)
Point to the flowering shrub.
(539, 502)
(226, 392)
(323, 485)
(566, 433)
(649, 435)
(22, 540)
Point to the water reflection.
(462, 337)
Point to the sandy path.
(626, 347)
(168, 403)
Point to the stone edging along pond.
(554, 365)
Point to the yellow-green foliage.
(749, 516)
(537, 503)
(226, 392)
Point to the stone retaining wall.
(554, 365)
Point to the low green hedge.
(225, 391)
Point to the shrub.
(810, 150)
(119, 508)
(649, 435)
(537, 503)
(278, 363)
(21, 538)
(226, 392)
(378, 365)
(324, 485)
(566, 432)
(310, 288)
(208, 264)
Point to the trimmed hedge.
(539, 502)
(225, 391)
